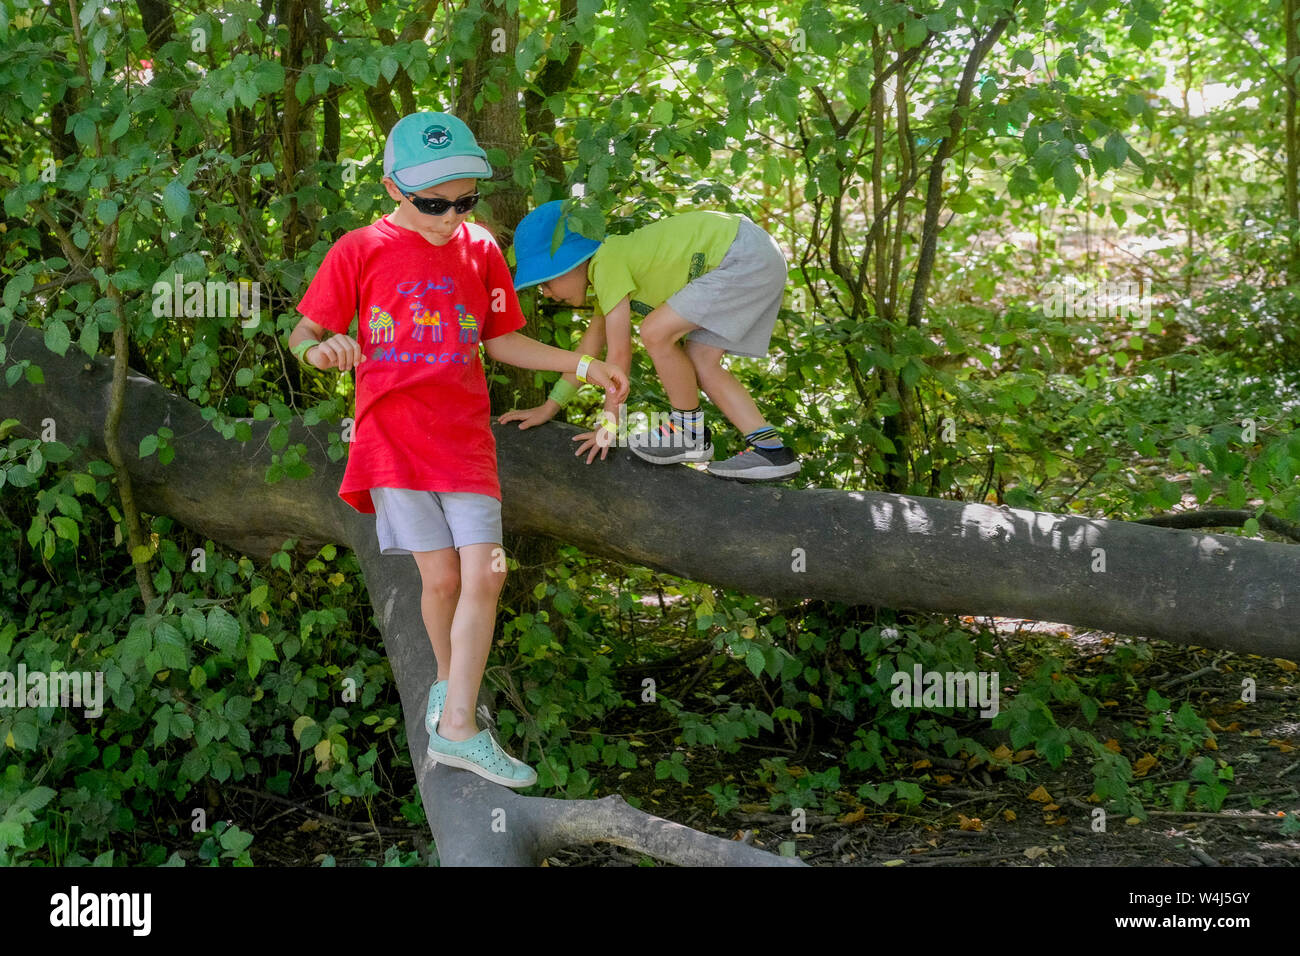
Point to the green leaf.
(1066, 177)
(57, 337)
(1141, 33)
(914, 33)
(66, 528)
(236, 840)
(261, 646)
(176, 200)
(754, 660)
(222, 630)
(1116, 149)
(89, 340)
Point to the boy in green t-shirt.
(704, 284)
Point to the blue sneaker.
(437, 701)
(481, 754)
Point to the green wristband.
(302, 348)
(562, 393)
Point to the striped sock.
(765, 437)
(691, 422)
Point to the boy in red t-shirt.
(428, 288)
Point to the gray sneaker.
(670, 444)
(758, 464)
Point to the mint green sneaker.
(437, 701)
(481, 754)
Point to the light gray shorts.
(407, 520)
(735, 305)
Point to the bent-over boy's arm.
(618, 335)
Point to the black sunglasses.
(439, 207)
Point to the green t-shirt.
(656, 261)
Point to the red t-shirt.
(422, 415)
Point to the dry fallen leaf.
(943, 778)
(1021, 756)
(1112, 745)
(1143, 764)
(1210, 744)
(1133, 821)
(1215, 725)
(1008, 815)
(1034, 852)
(970, 823)
(855, 817)
(920, 764)
(1281, 745)
(1002, 753)
(1040, 795)
(892, 863)
(1051, 806)
(1285, 664)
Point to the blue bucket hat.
(425, 149)
(534, 237)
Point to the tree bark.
(856, 547)
(1292, 135)
(888, 550)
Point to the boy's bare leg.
(660, 332)
(440, 586)
(723, 388)
(471, 636)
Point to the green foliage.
(234, 673)
(134, 170)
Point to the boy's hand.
(594, 443)
(609, 377)
(528, 417)
(338, 351)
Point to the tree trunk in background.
(488, 100)
(1292, 143)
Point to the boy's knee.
(656, 335)
(441, 583)
(484, 580)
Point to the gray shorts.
(407, 520)
(735, 305)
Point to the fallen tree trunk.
(857, 547)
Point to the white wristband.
(584, 363)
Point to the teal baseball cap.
(425, 149)
(534, 236)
